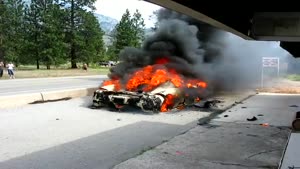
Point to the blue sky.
(116, 8)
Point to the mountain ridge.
(107, 23)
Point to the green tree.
(52, 36)
(74, 10)
(31, 52)
(110, 53)
(2, 28)
(50, 32)
(12, 29)
(123, 33)
(128, 32)
(138, 29)
(91, 36)
(34, 26)
(45, 36)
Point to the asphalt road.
(68, 134)
(36, 85)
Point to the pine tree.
(123, 33)
(128, 32)
(52, 36)
(138, 28)
(50, 32)
(110, 53)
(33, 34)
(75, 10)
(91, 36)
(2, 28)
(12, 29)
(45, 36)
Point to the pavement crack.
(243, 165)
(262, 152)
(276, 134)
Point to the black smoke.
(175, 40)
(190, 47)
(197, 50)
(211, 39)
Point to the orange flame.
(162, 61)
(168, 103)
(180, 107)
(150, 77)
(116, 83)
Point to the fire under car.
(164, 98)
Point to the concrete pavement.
(228, 146)
(229, 141)
(274, 109)
(68, 134)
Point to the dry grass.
(56, 73)
(283, 86)
(281, 90)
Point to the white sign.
(270, 61)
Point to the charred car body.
(162, 99)
(166, 73)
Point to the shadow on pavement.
(102, 150)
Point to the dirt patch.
(282, 86)
(280, 90)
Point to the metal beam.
(197, 15)
(276, 26)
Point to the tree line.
(55, 32)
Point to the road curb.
(24, 99)
(70, 93)
(18, 100)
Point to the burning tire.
(151, 103)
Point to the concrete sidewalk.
(20, 92)
(68, 134)
(229, 141)
(37, 85)
(25, 99)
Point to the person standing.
(85, 67)
(1, 69)
(10, 70)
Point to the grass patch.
(28, 72)
(294, 77)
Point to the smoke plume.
(174, 40)
(197, 50)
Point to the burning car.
(167, 72)
(152, 88)
(154, 101)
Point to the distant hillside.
(107, 23)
